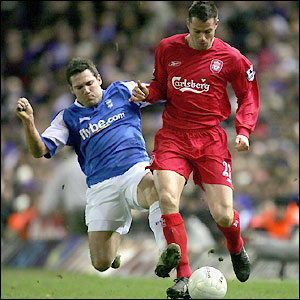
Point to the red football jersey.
(194, 83)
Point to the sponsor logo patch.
(184, 85)
(97, 127)
(250, 74)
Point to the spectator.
(32, 46)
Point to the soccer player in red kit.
(191, 73)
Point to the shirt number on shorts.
(227, 171)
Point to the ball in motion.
(207, 283)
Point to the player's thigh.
(137, 185)
(146, 191)
(169, 186)
(220, 202)
(212, 170)
(103, 246)
(106, 208)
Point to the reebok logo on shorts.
(151, 159)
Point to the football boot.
(241, 265)
(168, 260)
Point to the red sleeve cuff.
(244, 131)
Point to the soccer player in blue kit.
(105, 131)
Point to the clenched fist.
(24, 109)
(241, 143)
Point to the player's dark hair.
(203, 10)
(78, 65)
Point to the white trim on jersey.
(57, 131)
(131, 85)
(77, 103)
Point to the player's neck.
(190, 43)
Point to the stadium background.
(42, 201)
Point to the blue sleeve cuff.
(50, 145)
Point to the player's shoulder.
(226, 47)
(120, 86)
(74, 107)
(237, 59)
(173, 40)
(72, 112)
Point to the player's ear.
(187, 23)
(99, 79)
(71, 89)
(217, 23)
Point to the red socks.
(233, 234)
(174, 232)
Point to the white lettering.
(227, 171)
(96, 127)
(101, 123)
(190, 86)
(85, 133)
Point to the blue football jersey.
(107, 137)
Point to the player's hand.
(241, 143)
(24, 109)
(139, 93)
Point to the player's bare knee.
(102, 264)
(224, 220)
(166, 199)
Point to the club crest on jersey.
(109, 103)
(216, 65)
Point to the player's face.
(202, 34)
(87, 88)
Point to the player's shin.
(175, 232)
(155, 225)
(233, 234)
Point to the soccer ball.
(207, 283)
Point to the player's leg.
(212, 171)
(169, 255)
(147, 197)
(171, 171)
(169, 186)
(220, 201)
(141, 193)
(103, 248)
(107, 217)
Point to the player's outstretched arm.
(241, 143)
(139, 93)
(35, 144)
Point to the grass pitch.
(44, 284)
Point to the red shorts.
(204, 152)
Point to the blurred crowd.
(39, 38)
